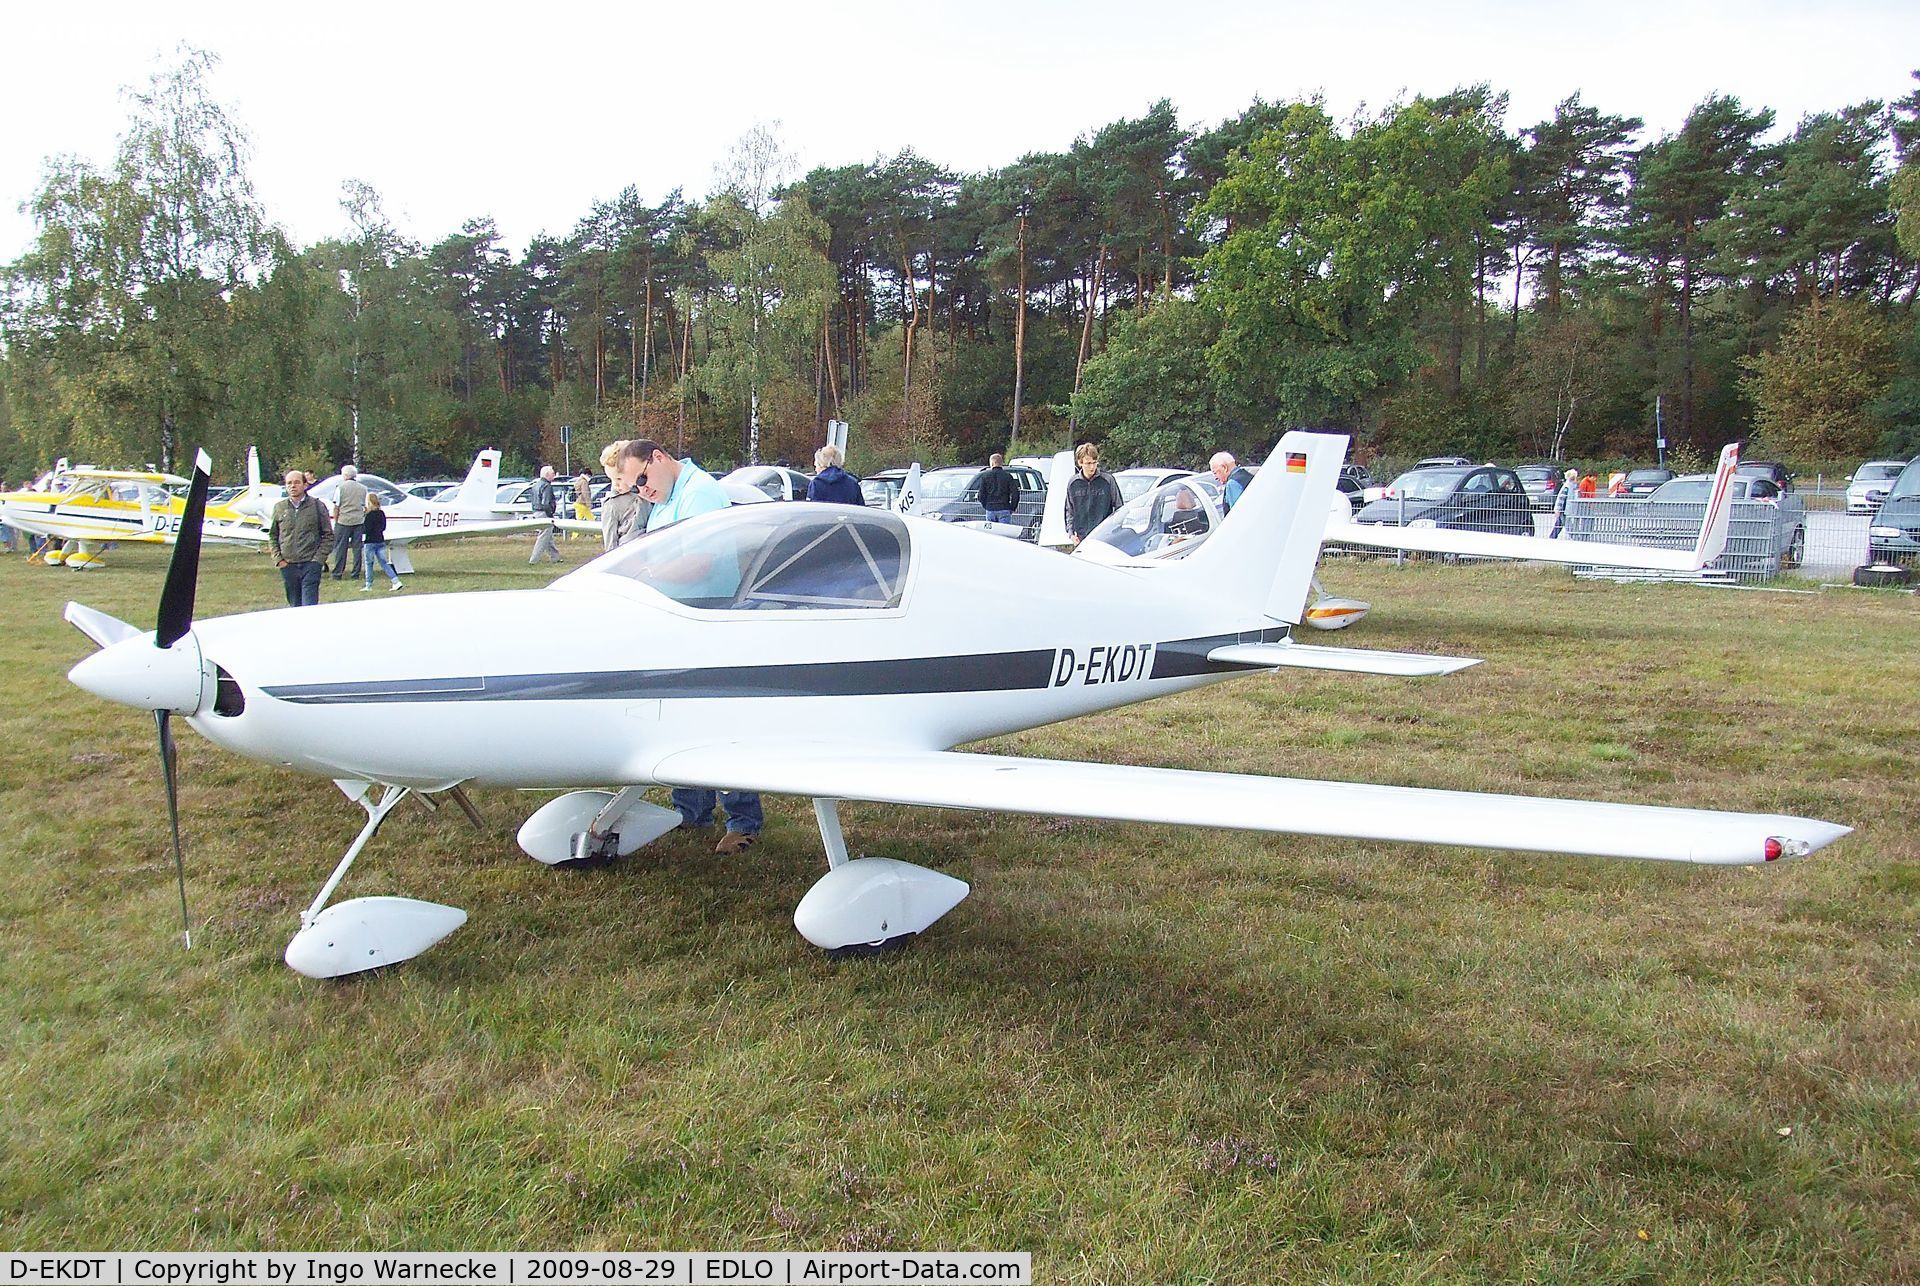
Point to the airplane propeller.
(176, 618)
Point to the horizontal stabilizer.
(1291, 805)
(1305, 656)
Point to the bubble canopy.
(786, 557)
(1170, 516)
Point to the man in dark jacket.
(1092, 496)
(544, 504)
(831, 484)
(999, 493)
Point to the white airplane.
(409, 518)
(820, 650)
(1171, 521)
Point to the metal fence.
(1764, 539)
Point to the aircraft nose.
(134, 672)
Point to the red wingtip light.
(1774, 849)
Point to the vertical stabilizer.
(482, 484)
(1053, 518)
(1265, 550)
(907, 499)
(1713, 527)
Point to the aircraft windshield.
(1171, 514)
(772, 557)
(1427, 484)
(148, 493)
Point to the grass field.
(1141, 1053)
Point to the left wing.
(1711, 543)
(1299, 806)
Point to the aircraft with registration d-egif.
(468, 512)
(820, 650)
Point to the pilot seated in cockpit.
(1187, 518)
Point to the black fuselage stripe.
(904, 676)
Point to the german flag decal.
(1296, 462)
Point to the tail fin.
(482, 484)
(1053, 518)
(907, 499)
(1284, 514)
(258, 500)
(1713, 528)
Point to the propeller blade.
(183, 573)
(162, 719)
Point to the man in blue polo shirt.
(680, 489)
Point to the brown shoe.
(734, 842)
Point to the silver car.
(1870, 484)
(1766, 531)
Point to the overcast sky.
(530, 112)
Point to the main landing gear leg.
(366, 933)
(867, 904)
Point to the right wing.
(947, 779)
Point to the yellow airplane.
(84, 511)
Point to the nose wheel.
(368, 933)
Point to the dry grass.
(1141, 1053)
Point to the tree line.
(1420, 276)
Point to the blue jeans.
(743, 808)
(303, 583)
(377, 553)
(999, 515)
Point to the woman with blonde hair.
(623, 514)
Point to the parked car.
(428, 490)
(1870, 483)
(882, 488)
(1767, 531)
(1542, 483)
(515, 499)
(1442, 462)
(953, 495)
(1473, 498)
(1138, 482)
(1644, 482)
(1894, 536)
(1354, 483)
(1772, 470)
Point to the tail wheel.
(1796, 549)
